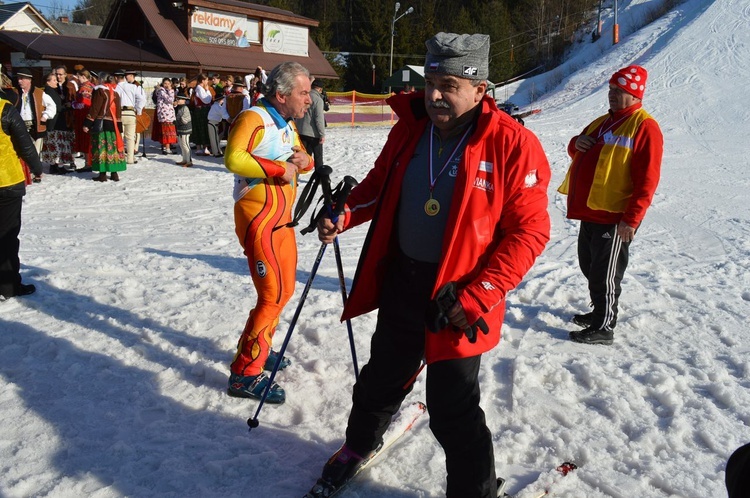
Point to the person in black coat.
(51, 148)
(15, 143)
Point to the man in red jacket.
(610, 185)
(457, 201)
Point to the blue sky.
(51, 8)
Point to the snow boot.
(584, 320)
(271, 361)
(591, 335)
(253, 386)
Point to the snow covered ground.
(113, 375)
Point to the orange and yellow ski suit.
(260, 141)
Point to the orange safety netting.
(359, 109)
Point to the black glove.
(437, 313)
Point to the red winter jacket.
(498, 222)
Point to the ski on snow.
(544, 484)
(403, 422)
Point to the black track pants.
(397, 349)
(603, 257)
(10, 227)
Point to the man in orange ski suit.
(264, 153)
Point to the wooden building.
(175, 38)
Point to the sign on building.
(223, 28)
(18, 59)
(285, 39)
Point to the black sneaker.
(25, 289)
(590, 335)
(54, 169)
(584, 320)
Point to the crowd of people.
(99, 116)
(213, 101)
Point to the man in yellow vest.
(15, 142)
(610, 184)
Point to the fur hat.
(631, 79)
(464, 56)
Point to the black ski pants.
(603, 257)
(10, 227)
(397, 350)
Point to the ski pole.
(324, 173)
(349, 183)
(342, 285)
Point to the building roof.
(76, 28)
(49, 46)
(8, 10)
(253, 9)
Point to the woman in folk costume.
(107, 144)
(200, 104)
(165, 114)
(81, 109)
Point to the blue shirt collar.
(278, 119)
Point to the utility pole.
(393, 34)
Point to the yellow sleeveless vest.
(612, 186)
(11, 171)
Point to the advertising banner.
(223, 28)
(285, 39)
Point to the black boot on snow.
(591, 335)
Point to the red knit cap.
(631, 79)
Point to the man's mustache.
(440, 104)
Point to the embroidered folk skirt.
(105, 158)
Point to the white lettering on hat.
(470, 71)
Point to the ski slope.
(113, 375)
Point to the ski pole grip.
(349, 183)
(324, 173)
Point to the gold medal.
(431, 207)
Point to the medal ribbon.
(603, 130)
(433, 180)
